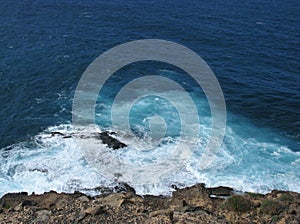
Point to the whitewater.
(251, 158)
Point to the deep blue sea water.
(252, 46)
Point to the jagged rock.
(175, 203)
(110, 141)
(83, 199)
(220, 191)
(94, 210)
(29, 203)
(105, 136)
(114, 200)
(18, 208)
(123, 187)
(195, 196)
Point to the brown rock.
(29, 203)
(174, 203)
(189, 205)
(18, 208)
(97, 210)
(114, 200)
(159, 212)
(80, 216)
(220, 191)
(43, 215)
(83, 199)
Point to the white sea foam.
(56, 163)
(247, 160)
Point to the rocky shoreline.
(196, 204)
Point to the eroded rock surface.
(196, 204)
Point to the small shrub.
(275, 218)
(286, 197)
(6, 205)
(222, 206)
(271, 207)
(238, 203)
(255, 195)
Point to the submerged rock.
(57, 133)
(105, 136)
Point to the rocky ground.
(195, 204)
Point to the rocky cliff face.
(195, 204)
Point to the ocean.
(252, 47)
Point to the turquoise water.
(252, 47)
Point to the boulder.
(97, 210)
(83, 199)
(43, 215)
